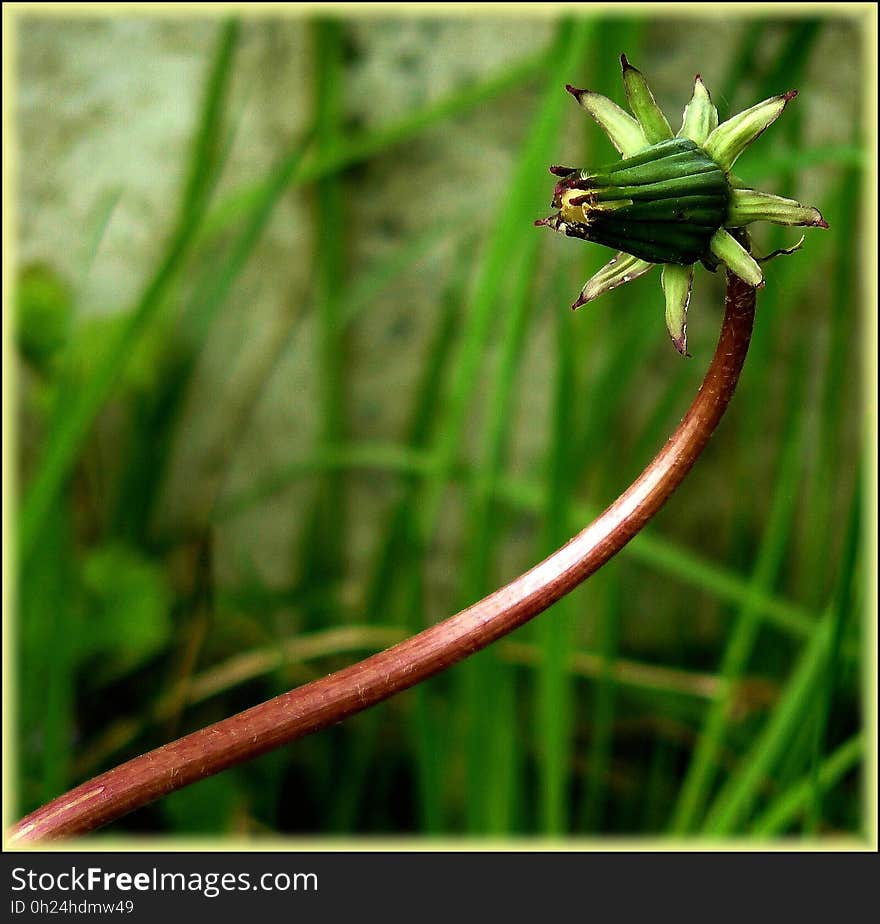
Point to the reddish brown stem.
(326, 701)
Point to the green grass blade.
(521, 201)
(485, 691)
(208, 147)
(649, 548)
(46, 697)
(555, 629)
(601, 739)
(742, 64)
(159, 422)
(788, 159)
(396, 557)
(323, 541)
(366, 288)
(736, 799)
(730, 809)
(359, 148)
(787, 807)
(770, 557)
(209, 300)
(522, 197)
(828, 467)
(104, 209)
(839, 612)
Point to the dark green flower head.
(671, 198)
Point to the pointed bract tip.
(625, 64)
(540, 222)
(575, 92)
(680, 344)
(698, 78)
(559, 170)
(788, 97)
(579, 303)
(821, 223)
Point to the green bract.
(671, 197)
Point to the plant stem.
(317, 705)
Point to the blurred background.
(296, 377)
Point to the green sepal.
(677, 282)
(736, 258)
(731, 138)
(700, 117)
(643, 104)
(621, 269)
(622, 129)
(748, 205)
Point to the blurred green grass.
(705, 682)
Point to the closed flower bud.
(662, 205)
(671, 198)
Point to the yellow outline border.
(865, 14)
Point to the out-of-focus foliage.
(127, 607)
(43, 308)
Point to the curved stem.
(324, 702)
